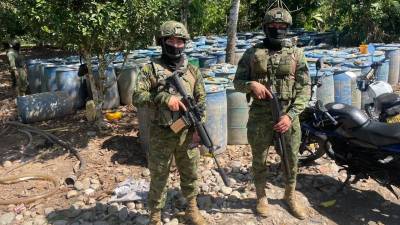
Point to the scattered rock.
(27, 213)
(205, 188)
(39, 220)
(92, 201)
(48, 210)
(82, 185)
(89, 192)
(232, 181)
(131, 205)
(236, 194)
(19, 217)
(174, 221)
(141, 220)
(126, 172)
(235, 165)
(95, 186)
(119, 178)
(7, 164)
(29, 222)
(226, 190)
(6, 219)
(60, 222)
(94, 181)
(139, 206)
(79, 204)
(72, 193)
(206, 174)
(146, 173)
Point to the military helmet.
(174, 29)
(277, 15)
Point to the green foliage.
(10, 26)
(208, 16)
(127, 24)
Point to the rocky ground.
(116, 155)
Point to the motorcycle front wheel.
(311, 149)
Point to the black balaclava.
(274, 37)
(171, 56)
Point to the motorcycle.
(385, 106)
(363, 146)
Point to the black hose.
(54, 139)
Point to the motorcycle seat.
(378, 133)
(386, 101)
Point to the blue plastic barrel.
(34, 76)
(44, 106)
(68, 80)
(393, 54)
(326, 91)
(111, 95)
(382, 72)
(207, 61)
(238, 115)
(49, 78)
(220, 56)
(43, 84)
(199, 41)
(216, 123)
(342, 87)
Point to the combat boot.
(294, 207)
(193, 213)
(262, 201)
(155, 217)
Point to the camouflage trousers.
(260, 136)
(165, 144)
(22, 81)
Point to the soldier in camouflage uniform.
(279, 66)
(151, 90)
(17, 67)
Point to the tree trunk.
(185, 12)
(232, 29)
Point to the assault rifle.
(193, 117)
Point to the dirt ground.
(116, 155)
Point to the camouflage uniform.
(17, 68)
(286, 73)
(152, 92)
(166, 143)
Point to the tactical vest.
(276, 70)
(163, 115)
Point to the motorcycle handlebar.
(331, 118)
